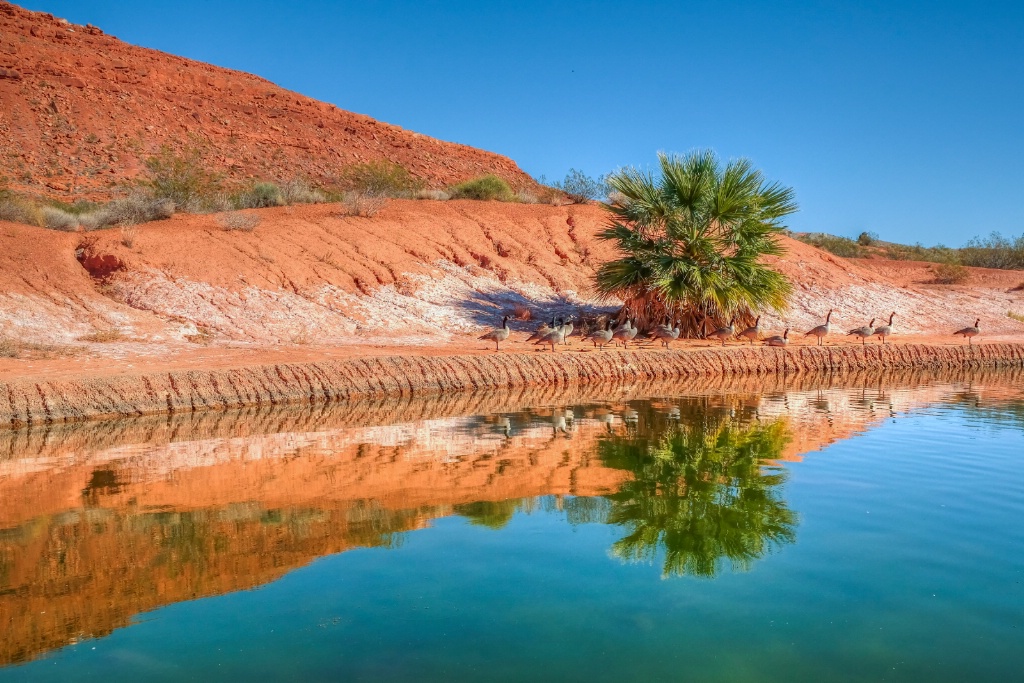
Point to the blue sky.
(906, 119)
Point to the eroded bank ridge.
(30, 401)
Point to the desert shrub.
(484, 188)
(436, 195)
(298, 191)
(994, 251)
(130, 210)
(18, 210)
(362, 204)
(16, 348)
(580, 188)
(840, 246)
(58, 219)
(380, 178)
(521, 312)
(259, 195)
(237, 220)
(181, 177)
(867, 239)
(950, 273)
(916, 252)
(526, 197)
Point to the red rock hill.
(79, 109)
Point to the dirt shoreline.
(31, 400)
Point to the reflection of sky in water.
(533, 540)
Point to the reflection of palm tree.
(702, 493)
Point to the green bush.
(484, 188)
(260, 195)
(581, 188)
(840, 246)
(182, 178)
(994, 251)
(381, 178)
(867, 239)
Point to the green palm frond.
(695, 236)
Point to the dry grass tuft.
(362, 204)
(1015, 316)
(237, 220)
(128, 234)
(104, 336)
(12, 348)
(522, 312)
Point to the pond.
(818, 528)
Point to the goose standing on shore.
(752, 333)
(554, 336)
(724, 333)
(666, 334)
(778, 340)
(499, 334)
(884, 331)
(602, 337)
(821, 331)
(567, 328)
(969, 333)
(625, 333)
(864, 332)
(541, 331)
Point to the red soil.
(79, 109)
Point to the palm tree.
(692, 241)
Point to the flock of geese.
(558, 331)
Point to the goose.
(541, 331)
(724, 333)
(752, 333)
(567, 328)
(554, 336)
(863, 332)
(969, 333)
(821, 331)
(499, 334)
(625, 333)
(602, 337)
(778, 340)
(665, 334)
(884, 331)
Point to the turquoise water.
(720, 551)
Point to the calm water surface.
(839, 533)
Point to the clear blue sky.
(903, 118)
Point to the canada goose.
(724, 333)
(567, 328)
(884, 331)
(969, 333)
(778, 340)
(821, 331)
(625, 333)
(602, 337)
(498, 335)
(863, 332)
(554, 336)
(665, 334)
(752, 333)
(541, 331)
